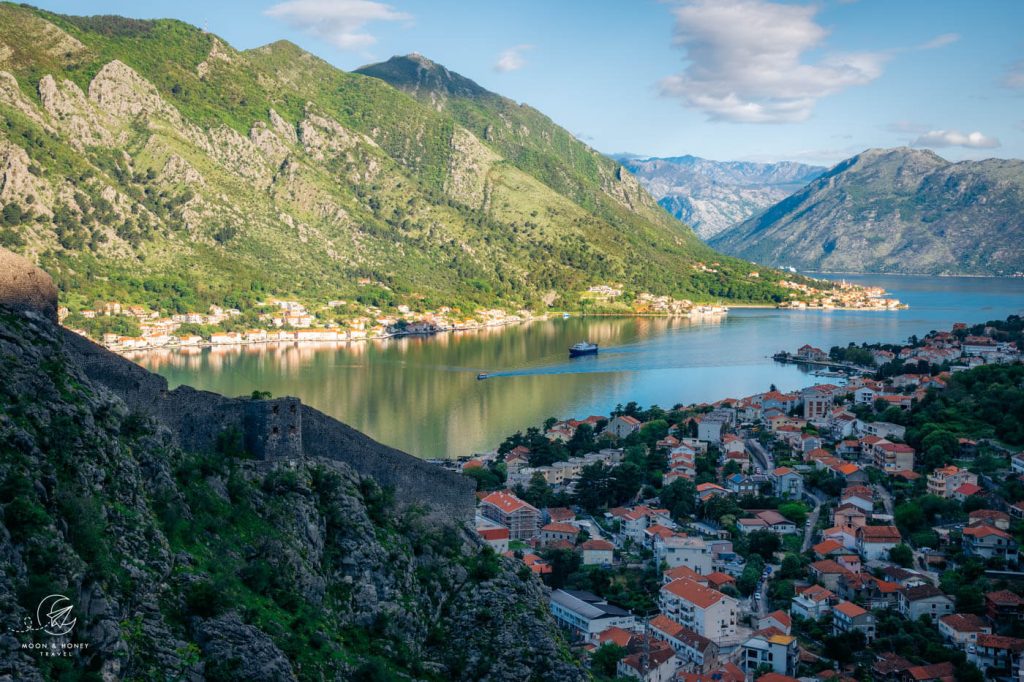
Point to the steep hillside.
(895, 210)
(713, 196)
(217, 563)
(149, 162)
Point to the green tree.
(679, 497)
(902, 554)
(763, 543)
(794, 511)
(606, 659)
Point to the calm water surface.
(421, 395)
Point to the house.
(851, 516)
(534, 563)
(598, 553)
(847, 617)
(828, 549)
(962, 629)
(775, 651)
(742, 485)
(707, 612)
(497, 538)
(1004, 606)
(692, 649)
(586, 615)
(684, 550)
(658, 665)
(874, 542)
(915, 602)
(622, 426)
(827, 573)
(998, 652)
(889, 456)
(779, 620)
(521, 519)
(945, 480)
(813, 602)
(858, 496)
(776, 522)
(718, 580)
(988, 542)
(936, 672)
(557, 532)
(787, 483)
(712, 425)
(810, 353)
(989, 517)
(904, 577)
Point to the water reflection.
(421, 394)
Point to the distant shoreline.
(206, 344)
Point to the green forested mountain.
(149, 162)
(894, 210)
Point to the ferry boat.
(582, 348)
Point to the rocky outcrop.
(119, 90)
(205, 562)
(23, 286)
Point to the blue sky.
(724, 79)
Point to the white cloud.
(512, 59)
(940, 41)
(746, 62)
(342, 23)
(955, 138)
(1014, 76)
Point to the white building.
(684, 550)
(707, 612)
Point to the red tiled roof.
(1004, 598)
(935, 671)
(781, 617)
(684, 572)
(983, 531)
(849, 609)
(1001, 642)
(506, 502)
(560, 528)
(694, 592)
(879, 533)
(493, 533)
(968, 489)
(964, 622)
(597, 545)
(615, 635)
(828, 566)
(827, 547)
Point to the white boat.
(582, 348)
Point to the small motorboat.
(582, 348)
(565, 316)
(481, 376)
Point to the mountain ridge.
(899, 210)
(712, 196)
(153, 164)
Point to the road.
(886, 498)
(812, 518)
(762, 455)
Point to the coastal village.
(777, 536)
(344, 321)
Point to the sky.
(756, 80)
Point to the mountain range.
(897, 210)
(149, 162)
(713, 196)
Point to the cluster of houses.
(845, 295)
(286, 321)
(703, 629)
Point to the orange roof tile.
(694, 592)
(849, 609)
